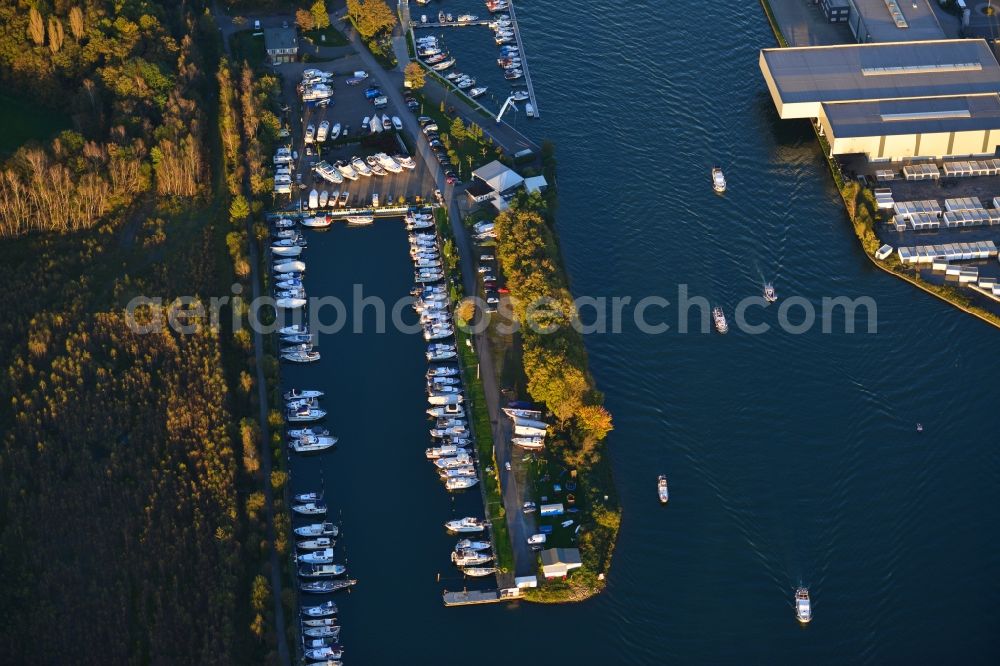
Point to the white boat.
(317, 529)
(519, 95)
(720, 320)
(328, 172)
(284, 223)
(296, 329)
(441, 355)
(313, 199)
(315, 544)
(517, 412)
(803, 607)
(324, 198)
(443, 65)
(292, 303)
(397, 123)
(360, 220)
(405, 161)
(323, 652)
(442, 371)
(437, 452)
(465, 18)
(301, 357)
(290, 267)
(460, 482)
(450, 461)
(334, 131)
(311, 444)
(360, 166)
(316, 92)
(529, 443)
(661, 489)
(326, 586)
(718, 180)
(296, 394)
(321, 622)
(467, 471)
(386, 122)
(769, 295)
(318, 222)
(470, 557)
(310, 509)
(529, 110)
(323, 132)
(324, 556)
(467, 524)
(310, 135)
(305, 415)
(308, 432)
(478, 92)
(469, 544)
(479, 572)
(387, 162)
(541, 427)
(322, 632)
(286, 250)
(346, 170)
(325, 609)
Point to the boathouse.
(494, 182)
(281, 44)
(558, 562)
(892, 101)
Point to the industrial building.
(892, 101)
(893, 21)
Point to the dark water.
(792, 458)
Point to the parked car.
(438, 196)
(503, 290)
(372, 92)
(528, 507)
(381, 102)
(424, 120)
(430, 127)
(412, 105)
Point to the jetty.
(524, 59)
(474, 597)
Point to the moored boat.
(315, 544)
(326, 586)
(317, 529)
(310, 509)
(479, 572)
(325, 570)
(324, 609)
(467, 524)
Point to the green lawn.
(245, 46)
(470, 151)
(328, 36)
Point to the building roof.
(478, 188)
(498, 176)
(876, 71)
(280, 38)
(535, 184)
(889, 117)
(561, 556)
(898, 20)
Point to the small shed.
(535, 184)
(558, 562)
(883, 252)
(526, 581)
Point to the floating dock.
(473, 597)
(524, 59)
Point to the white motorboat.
(803, 607)
(437, 452)
(324, 556)
(469, 544)
(443, 381)
(478, 92)
(334, 131)
(360, 166)
(460, 482)
(305, 415)
(324, 198)
(322, 632)
(517, 412)
(328, 172)
(661, 489)
(309, 432)
(286, 250)
(470, 557)
(323, 132)
(720, 320)
(387, 162)
(529, 110)
(318, 222)
(458, 472)
(325, 609)
(296, 394)
(443, 65)
(321, 653)
(325, 570)
(536, 539)
(296, 329)
(310, 135)
(769, 294)
(284, 223)
(718, 180)
(320, 622)
(317, 529)
(404, 160)
(467, 524)
(386, 122)
(479, 572)
(441, 355)
(290, 267)
(308, 497)
(326, 586)
(442, 371)
(310, 509)
(466, 18)
(315, 544)
(290, 303)
(529, 443)
(360, 220)
(302, 357)
(451, 461)
(312, 444)
(346, 170)
(519, 95)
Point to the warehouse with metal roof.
(893, 21)
(892, 101)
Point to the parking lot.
(348, 107)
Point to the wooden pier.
(524, 59)
(449, 24)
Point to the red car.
(503, 290)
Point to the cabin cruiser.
(520, 412)
(311, 444)
(296, 394)
(467, 524)
(310, 133)
(284, 223)
(465, 83)
(324, 556)
(316, 544)
(718, 180)
(720, 319)
(323, 132)
(302, 357)
(325, 570)
(458, 472)
(289, 267)
(326, 586)
(310, 509)
(324, 199)
(465, 18)
(307, 414)
(442, 371)
(479, 572)
(317, 529)
(325, 609)
(321, 622)
(360, 220)
(528, 442)
(477, 92)
(346, 170)
(441, 355)
(769, 294)
(469, 544)
(360, 166)
(327, 172)
(321, 653)
(803, 608)
(308, 497)
(661, 489)
(460, 482)
(322, 632)
(436, 453)
(519, 95)
(318, 222)
(404, 161)
(389, 163)
(297, 329)
(309, 432)
(454, 460)
(443, 381)
(470, 557)
(512, 74)
(443, 65)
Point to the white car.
(507, 466)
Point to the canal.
(793, 459)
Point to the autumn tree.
(321, 17)
(594, 421)
(371, 17)
(76, 23)
(36, 27)
(56, 34)
(304, 19)
(414, 75)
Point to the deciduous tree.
(56, 34)
(414, 75)
(36, 27)
(76, 26)
(321, 17)
(304, 19)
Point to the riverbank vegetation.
(126, 482)
(555, 364)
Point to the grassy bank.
(861, 210)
